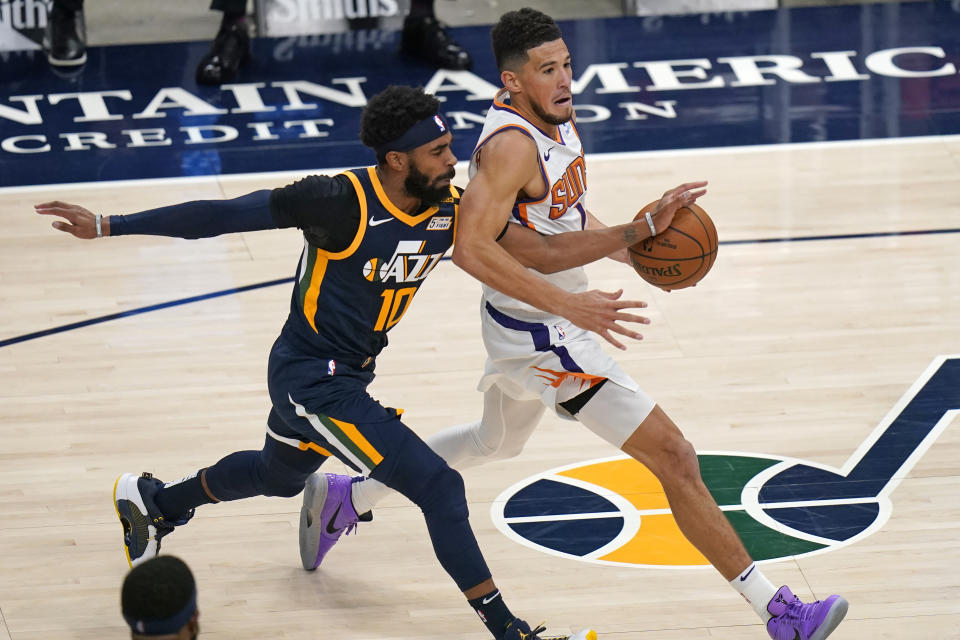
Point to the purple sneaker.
(796, 620)
(327, 511)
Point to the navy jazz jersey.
(345, 301)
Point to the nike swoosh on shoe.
(330, 528)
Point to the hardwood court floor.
(788, 348)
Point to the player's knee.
(444, 495)
(503, 444)
(677, 460)
(488, 439)
(671, 458)
(506, 450)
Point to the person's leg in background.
(65, 40)
(230, 47)
(424, 38)
(427, 40)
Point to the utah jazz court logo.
(615, 511)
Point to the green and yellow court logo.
(614, 511)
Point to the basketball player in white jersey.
(538, 326)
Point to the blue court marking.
(139, 310)
(882, 461)
(829, 507)
(270, 283)
(845, 236)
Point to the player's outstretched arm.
(549, 254)
(508, 165)
(197, 219)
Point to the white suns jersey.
(562, 207)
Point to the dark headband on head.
(427, 130)
(165, 626)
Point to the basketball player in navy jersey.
(372, 236)
(528, 171)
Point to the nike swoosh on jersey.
(374, 222)
(546, 154)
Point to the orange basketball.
(679, 256)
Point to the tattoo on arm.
(630, 235)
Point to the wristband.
(98, 219)
(653, 229)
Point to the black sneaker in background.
(427, 40)
(230, 49)
(65, 39)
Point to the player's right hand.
(603, 312)
(77, 221)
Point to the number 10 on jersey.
(395, 304)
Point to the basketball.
(682, 254)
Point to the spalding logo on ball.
(680, 255)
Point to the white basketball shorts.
(547, 358)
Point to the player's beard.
(550, 119)
(419, 185)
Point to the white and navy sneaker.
(143, 523)
(517, 629)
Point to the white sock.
(755, 589)
(366, 493)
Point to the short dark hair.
(158, 589)
(390, 113)
(519, 31)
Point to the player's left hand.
(674, 199)
(77, 221)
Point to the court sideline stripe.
(270, 283)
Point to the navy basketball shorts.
(323, 406)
